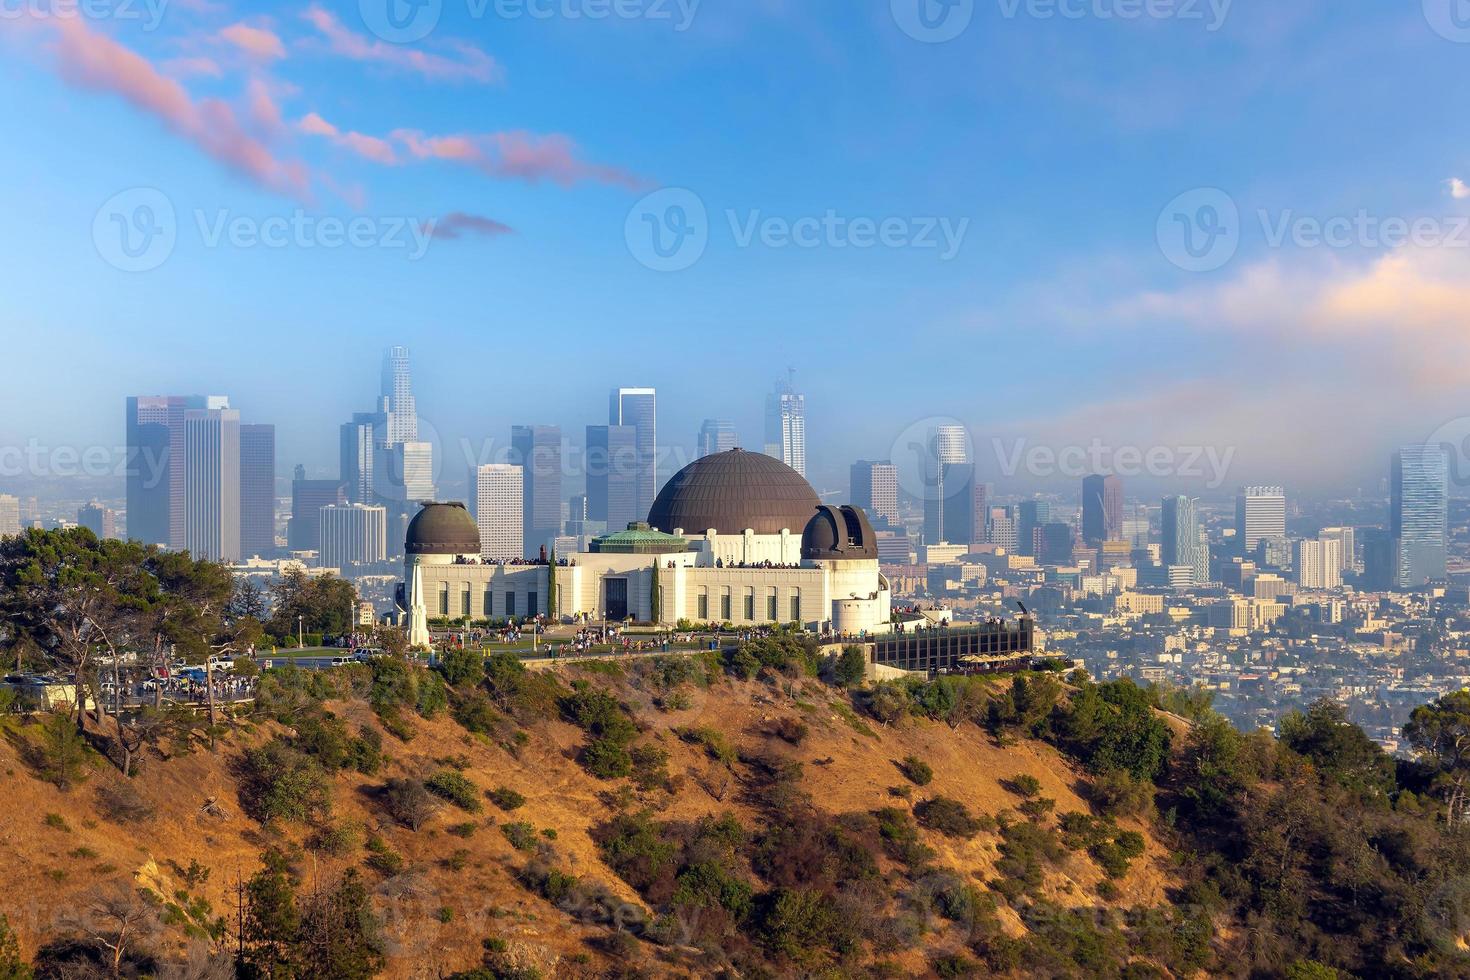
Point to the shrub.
(62, 753)
(409, 802)
(793, 731)
(607, 758)
(280, 783)
(948, 816)
(851, 666)
(459, 666)
(1024, 785)
(454, 787)
(916, 770)
(507, 799)
(714, 743)
(522, 836)
(650, 767)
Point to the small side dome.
(839, 534)
(442, 529)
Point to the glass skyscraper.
(786, 426)
(1420, 514)
(1184, 543)
(638, 408)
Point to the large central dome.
(734, 492)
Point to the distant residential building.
(1346, 540)
(257, 490)
(613, 476)
(352, 534)
(638, 408)
(1102, 509)
(212, 483)
(96, 518)
(716, 436)
(1183, 544)
(308, 497)
(9, 515)
(1419, 488)
(1260, 512)
(537, 449)
(786, 426)
(499, 511)
(873, 486)
(1318, 564)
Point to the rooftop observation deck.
(966, 649)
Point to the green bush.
(279, 782)
(460, 666)
(522, 836)
(507, 799)
(948, 816)
(916, 770)
(454, 787)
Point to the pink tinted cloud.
(92, 61)
(193, 66)
(517, 155)
(262, 109)
(369, 147)
(458, 224)
(258, 42)
(468, 63)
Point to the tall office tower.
(257, 490)
(9, 515)
(786, 425)
(1380, 564)
(1319, 563)
(352, 534)
(716, 436)
(1260, 512)
(401, 422)
(357, 450)
(100, 520)
(1030, 515)
(212, 483)
(638, 408)
(1102, 509)
(1184, 544)
(537, 450)
(980, 509)
(155, 467)
(1420, 514)
(1003, 530)
(613, 476)
(308, 497)
(874, 488)
(1055, 542)
(499, 511)
(1347, 545)
(948, 486)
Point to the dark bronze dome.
(839, 534)
(734, 492)
(443, 529)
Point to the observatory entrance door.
(616, 599)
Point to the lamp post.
(300, 635)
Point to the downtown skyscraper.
(537, 450)
(1183, 540)
(716, 436)
(1102, 509)
(873, 486)
(212, 483)
(1419, 488)
(613, 476)
(498, 494)
(637, 408)
(786, 426)
(1260, 513)
(154, 469)
(257, 490)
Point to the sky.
(1198, 243)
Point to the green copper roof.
(639, 539)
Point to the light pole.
(300, 636)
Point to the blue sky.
(532, 144)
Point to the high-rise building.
(1420, 514)
(1003, 530)
(401, 422)
(308, 497)
(98, 519)
(1318, 563)
(1030, 515)
(1346, 540)
(1054, 543)
(716, 436)
(1380, 559)
(638, 408)
(257, 490)
(1102, 509)
(352, 534)
(786, 426)
(155, 470)
(537, 449)
(357, 450)
(1260, 512)
(613, 476)
(499, 511)
(1183, 542)
(874, 488)
(212, 483)
(948, 486)
(979, 511)
(9, 515)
